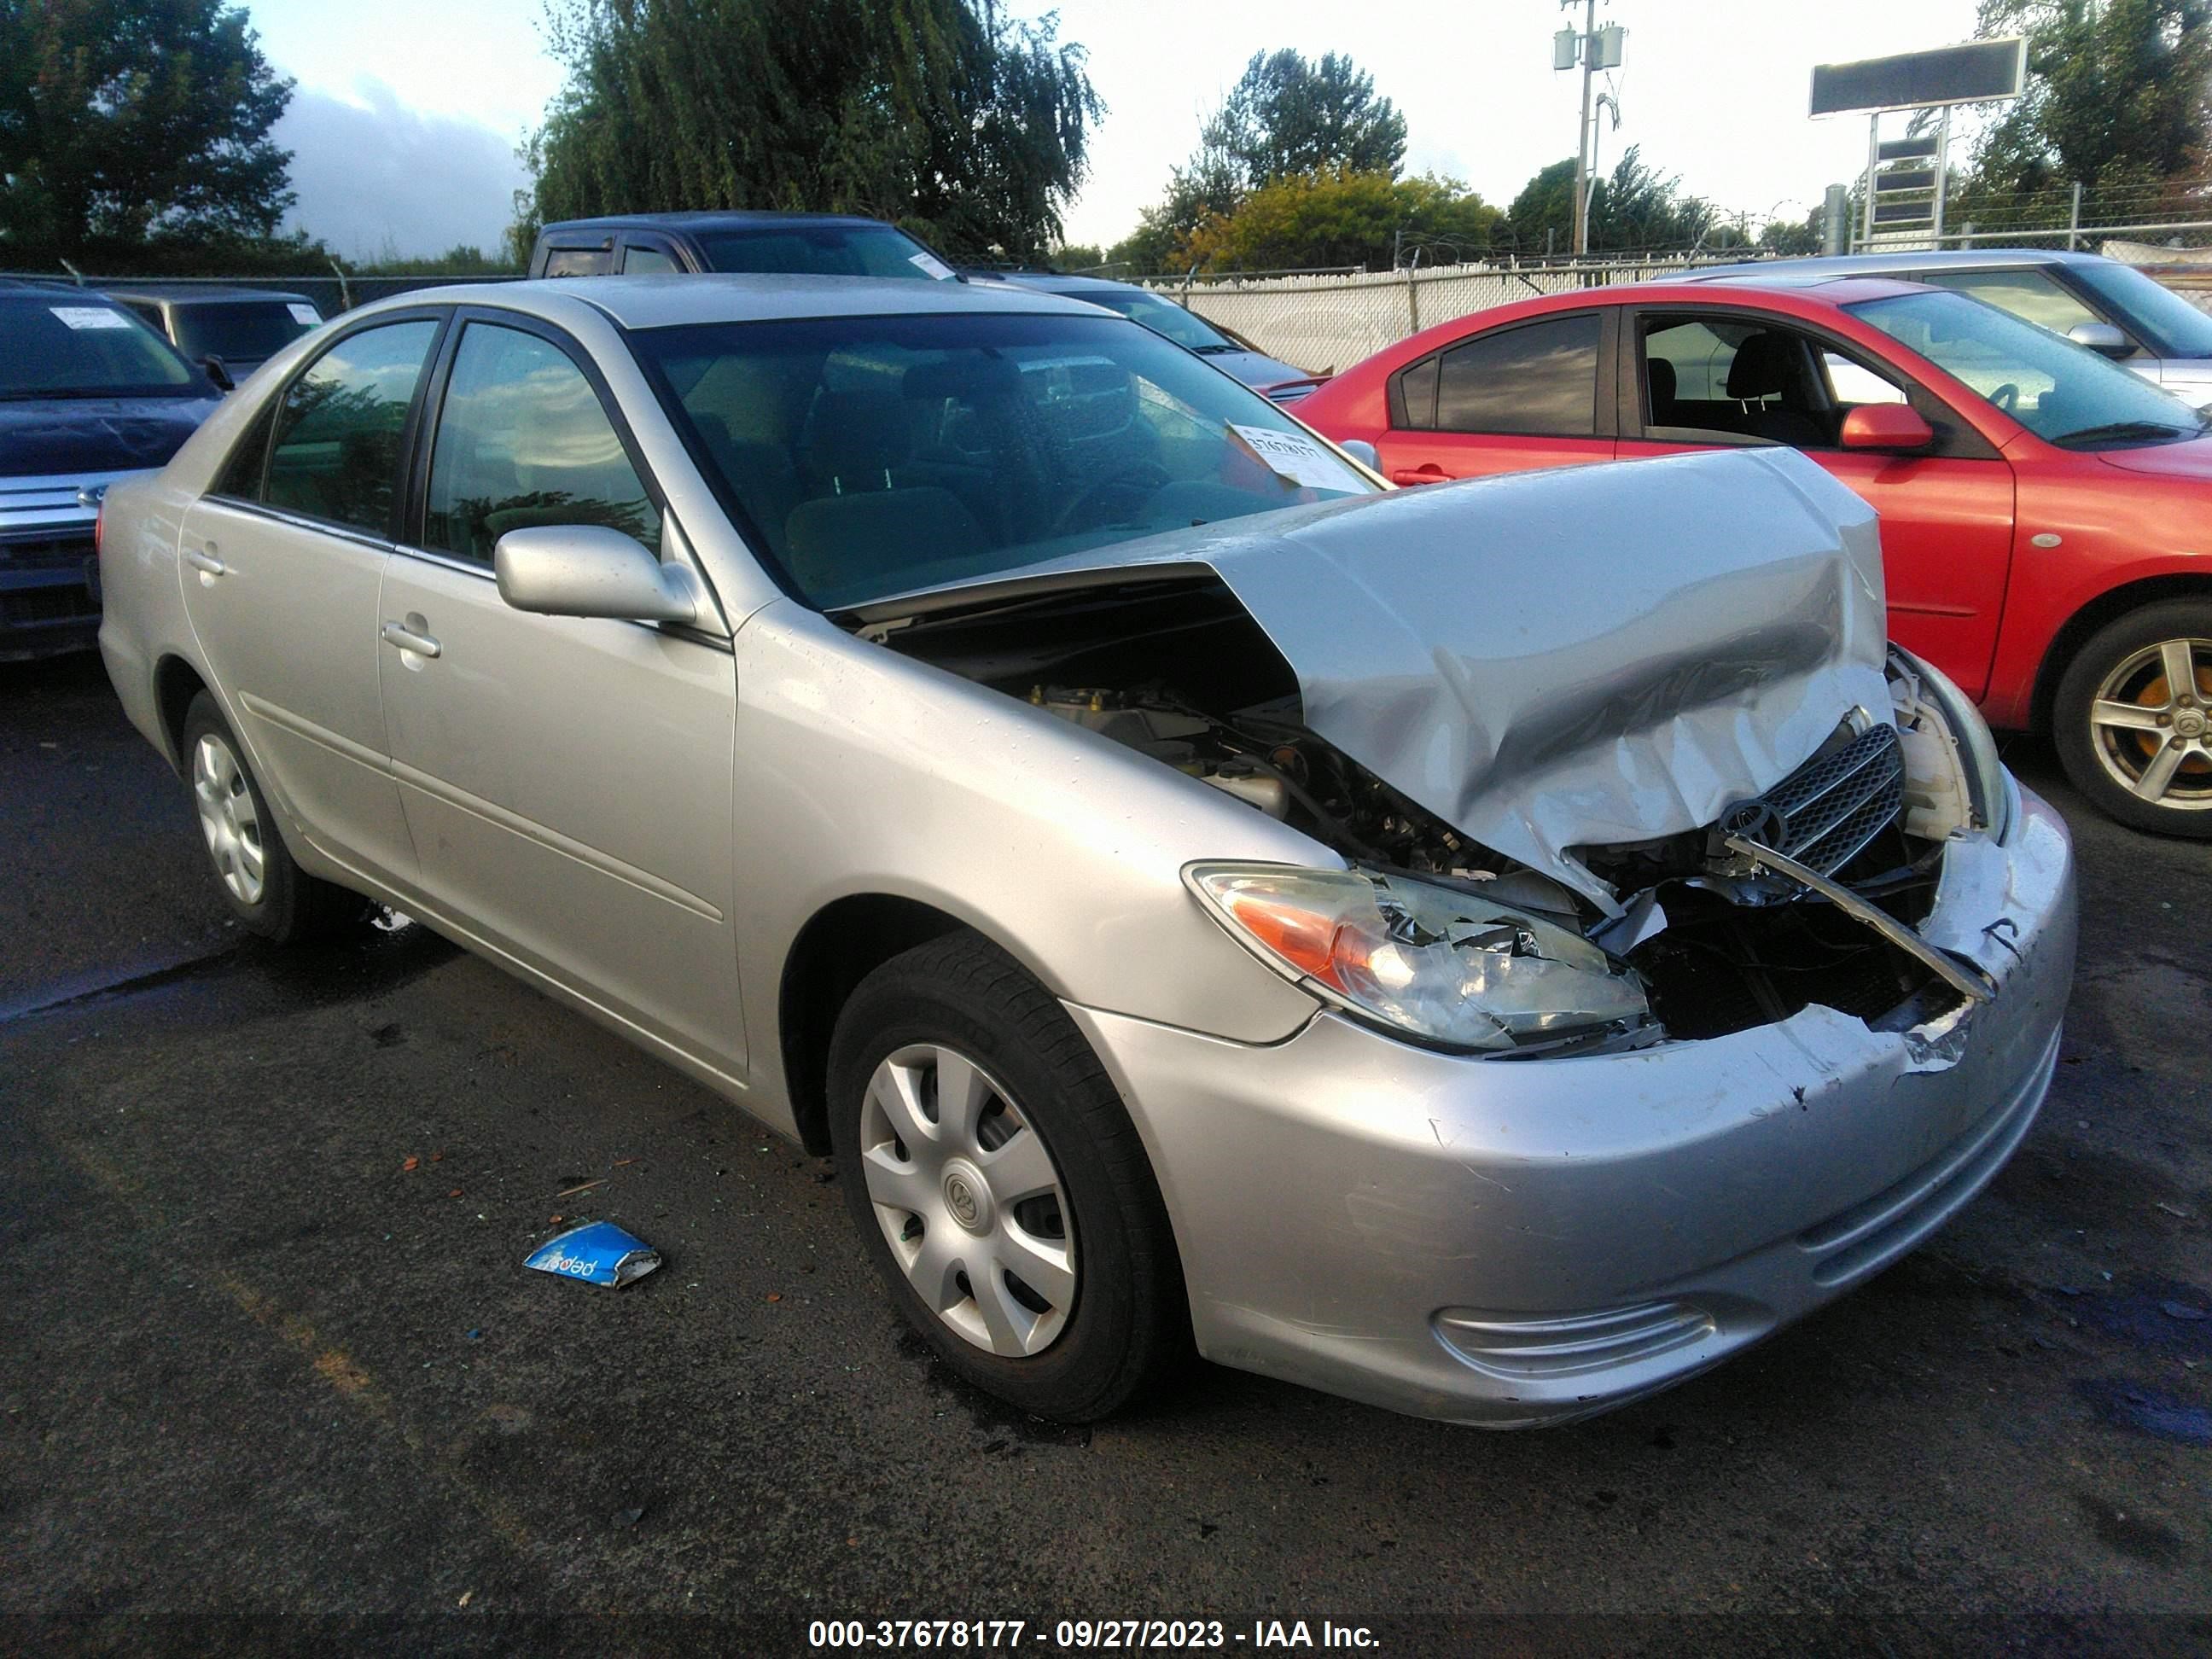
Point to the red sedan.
(2047, 516)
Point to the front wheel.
(2134, 719)
(270, 894)
(999, 1185)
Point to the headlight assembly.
(1439, 964)
(1988, 784)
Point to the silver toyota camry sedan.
(1492, 951)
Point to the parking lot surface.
(271, 1353)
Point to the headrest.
(1660, 375)
(1761, 366)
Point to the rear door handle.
(204, 561)
(407, 638)
(1427, 472)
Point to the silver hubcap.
(969, 1199)
(227, 819)
(2151, 721)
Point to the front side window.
(1539, 379)
(877, 455)
(821, 251)
(2063, 393)
(1162, 317)
(523, 440)
(336, 454)
(2030, 295)
(575, 261)
(645, 261)
(1741, 378)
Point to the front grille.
(46, 552)
(1836, 803)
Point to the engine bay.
(1716, 936)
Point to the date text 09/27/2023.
(1086, 1634)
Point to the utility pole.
(1593, 49)
(1583, 133)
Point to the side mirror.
(1363, 453)
(218, 373)
(591, 570)
(2102, 338)
(1895, 426)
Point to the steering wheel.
(1141, 479)
(2006, 396)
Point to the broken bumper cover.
(1512, 1242)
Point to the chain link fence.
(331, 295)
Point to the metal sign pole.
(1873, 159)
(1943, 171)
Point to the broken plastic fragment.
(598, 1253)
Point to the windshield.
(60, 346)
(1164, 317)
(2061, 392)
(875, 455)
(821, 251)
(241, 333)
(2172, 327)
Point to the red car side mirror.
(1886, 426)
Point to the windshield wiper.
(2124, 429)
(1212, 351)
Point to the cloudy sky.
(408, 112)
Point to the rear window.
(245, 332)
(60, 345)
(821, 251)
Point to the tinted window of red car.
(1540, 378)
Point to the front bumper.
(49, 569)
(1514, 1243)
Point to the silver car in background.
(1491, 951)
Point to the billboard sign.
(1977, 72)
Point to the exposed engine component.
(1718, 928)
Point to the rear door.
(568, 779)
(1742, 377)
(281, 563)
(1528, 395)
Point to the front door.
(1520, 397)
(1745, 377)
(281, 563)
(568, 780)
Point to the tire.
(912, 1145)
(2166, 748)
(270, 894)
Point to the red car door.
(1518, 397)
(1745, 377)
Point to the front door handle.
(204, 561)
(1427, 472)
(408, 639)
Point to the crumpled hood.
(44, 437)
(1585, 656)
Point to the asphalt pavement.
(273, 1374)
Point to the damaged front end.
(1646, 772)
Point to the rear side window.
(1539, 378)
(524, 440)
(645, 262)
(577, 262)
(337, 455)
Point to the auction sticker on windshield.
(1294, 456)
(305, 314)
(931, 263)
(90, 317)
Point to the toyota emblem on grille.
(1754, 820)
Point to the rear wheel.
(999, 1185)
(271, 894)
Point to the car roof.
(746, 220)
(1063, 281)
(672, 301)
(191, 291)
(1791, 271)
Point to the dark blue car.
(88, 394)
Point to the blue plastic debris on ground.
(600, 1253)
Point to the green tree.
(1634, 208)
(127, 124)
(953, 117)
(1287, 116)
(1344, 218)
(2118, 98)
